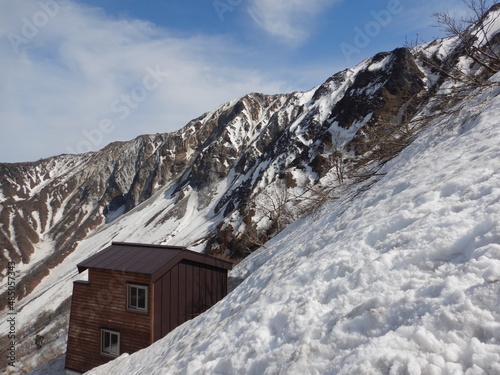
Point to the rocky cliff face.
(228, 180)
(249, 144)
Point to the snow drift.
(400, 278)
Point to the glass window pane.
(133, 296)
(106, 345)
(114, 344)
(110, 343)
(137, 297)
(141, 300)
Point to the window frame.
(111, 332)
(136, 308)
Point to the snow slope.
(403, 278)
(201, 186)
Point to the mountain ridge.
(398, 276)
(225, 183)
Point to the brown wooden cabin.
(135, 295)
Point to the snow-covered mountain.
(237, 176)
(400, 278)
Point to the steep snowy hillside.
(216, 185)
(229, 180)
(402, 278)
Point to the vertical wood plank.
(165, 302)
(182, 292)
(174, 297)
(157, 309)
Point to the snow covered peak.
(235, 177)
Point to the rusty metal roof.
(146, 259)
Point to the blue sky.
(77, 75)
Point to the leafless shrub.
(275, 203)
(477, 41)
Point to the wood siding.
(184, 292)
(186, 285)
(102, 303)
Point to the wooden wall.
(184, 292)
(102, 303)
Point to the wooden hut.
(135, 295)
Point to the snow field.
(194, 224)
(402, 279)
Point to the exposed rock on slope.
(229, 180)
(62, 199)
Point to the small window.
(110, 342)
(137, 297)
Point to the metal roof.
(146, 259)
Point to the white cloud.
(68, 68)
(290, 21)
